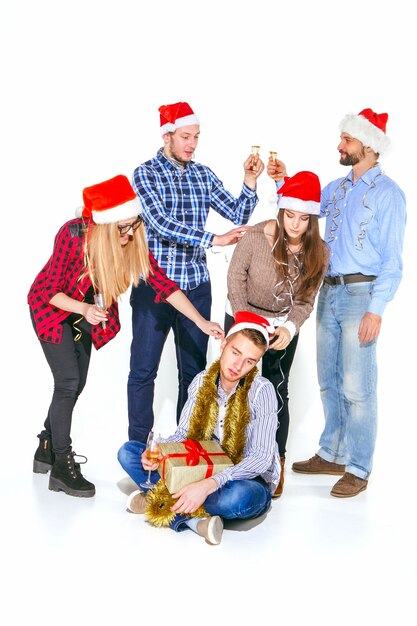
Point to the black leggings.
(276, 366)
(69, 361)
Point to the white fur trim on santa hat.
(187, 120)
(301, 206)
(266, 331)
(124, 211)
(360, 128)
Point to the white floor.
(313, 559)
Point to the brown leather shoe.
(348, 486)
(317, 465)
(279, 489)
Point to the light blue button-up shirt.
(365, 222)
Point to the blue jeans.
(238, 499)
(347, 373)
(151, 323)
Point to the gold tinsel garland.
(158, 506)
(201, 428)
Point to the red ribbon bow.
(195, 451)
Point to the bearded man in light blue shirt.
(365, 221)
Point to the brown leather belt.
(348, 278)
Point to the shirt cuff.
(220, 479)
(290, 326)
(248, 191)
(207, 239)
(377, 306)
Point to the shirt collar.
(222, 392)
(368, 176)
(371, 174)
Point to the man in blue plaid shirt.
(177, 194)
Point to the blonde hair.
(113, 267)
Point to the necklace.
(294, 247)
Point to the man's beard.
(178, 159)
(352, 159)
(171, 152)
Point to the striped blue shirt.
(261, 457)
(176, 203)
(365, 222)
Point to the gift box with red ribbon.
(189, 461)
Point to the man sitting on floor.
(244, 423)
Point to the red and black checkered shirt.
(65, 272)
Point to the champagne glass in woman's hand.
(101, 306)
(152, 452)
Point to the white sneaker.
(211, 528)
(136, 502)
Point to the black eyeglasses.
(124, 229)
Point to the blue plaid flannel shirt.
(176, 204)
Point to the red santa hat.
(369, 127)
(109, 202)
(175, 116)
(246, 319)
(301, 193)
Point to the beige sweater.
(254, 285)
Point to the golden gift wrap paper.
(191, 466)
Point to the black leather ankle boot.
(66, 476)
(44, 456)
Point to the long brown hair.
(312, 257)
(111, 266)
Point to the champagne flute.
(152, 452)
(273, 157)
(255, 156)
(100, 305)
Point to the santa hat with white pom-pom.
(369, 127)
(109, 202)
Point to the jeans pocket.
(359, 289)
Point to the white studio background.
(81, 85)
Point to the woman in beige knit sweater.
(276, 271)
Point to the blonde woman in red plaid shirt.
(103, 251)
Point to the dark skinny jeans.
(69, 361)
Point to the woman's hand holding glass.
(99, 301)
(93, 315)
